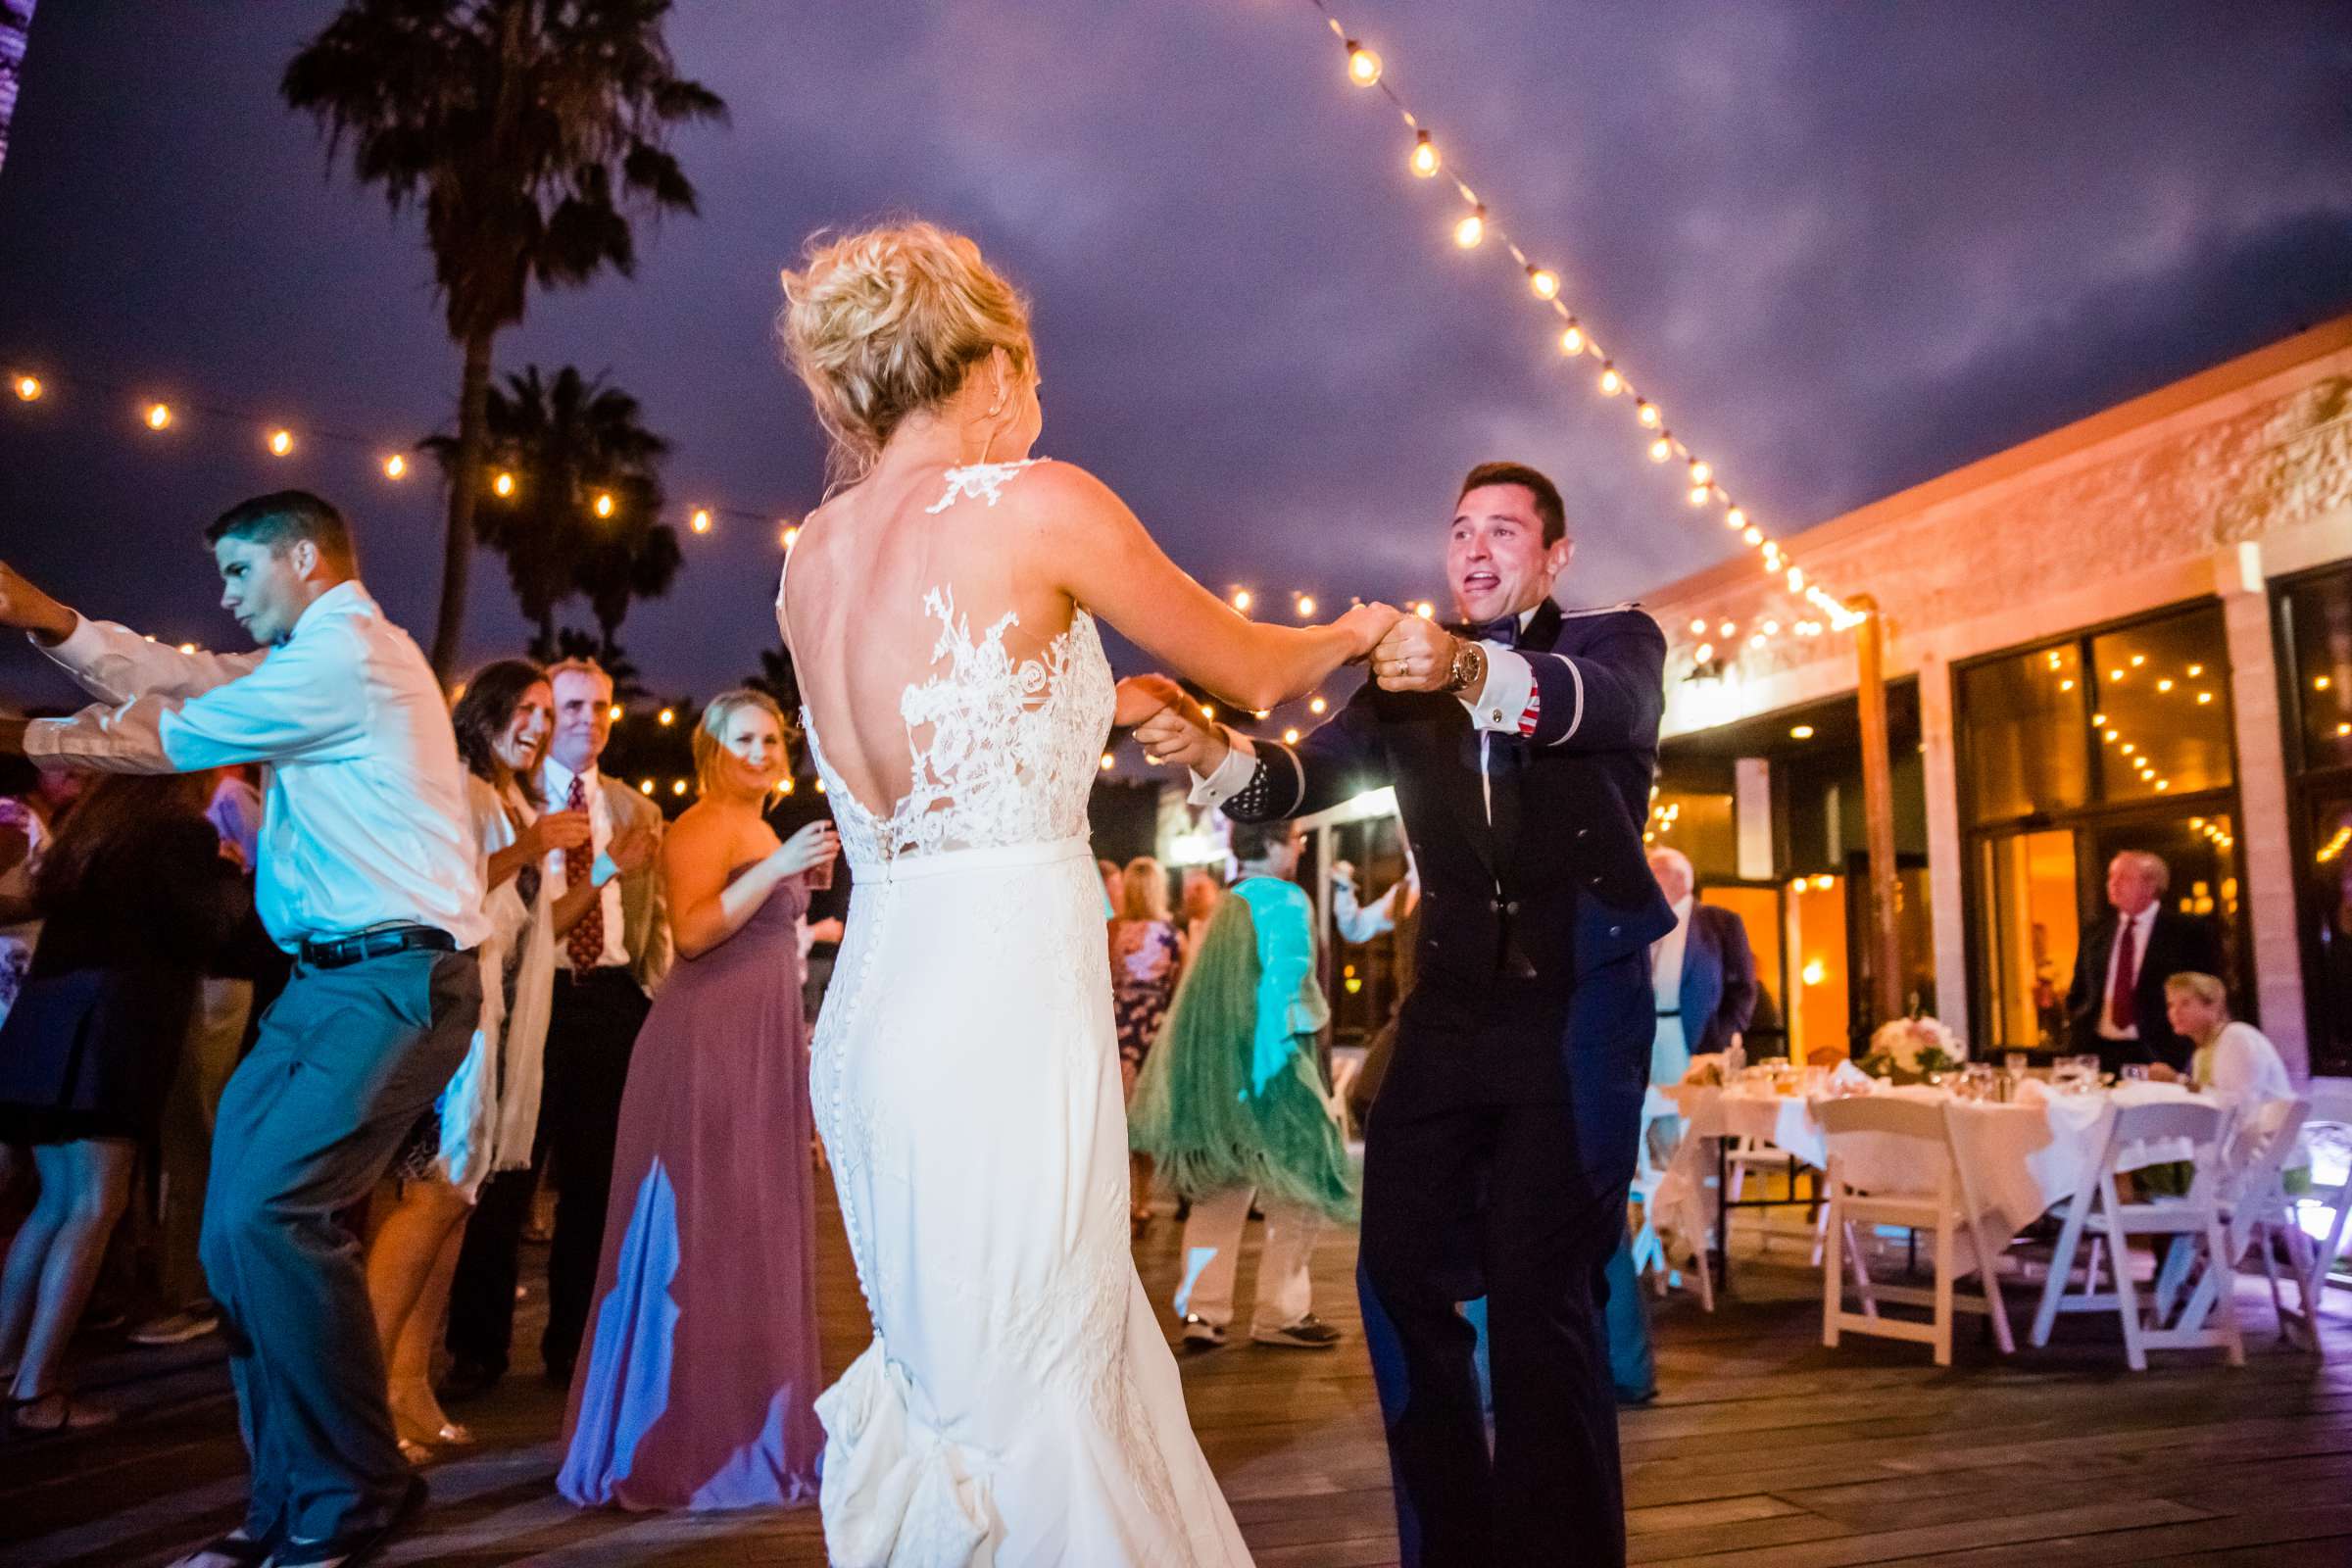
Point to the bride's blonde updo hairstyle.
(884, 324)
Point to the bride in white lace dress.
(1019, 1405)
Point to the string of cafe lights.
(1578, 344)
(281, 440)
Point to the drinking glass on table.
(2135, 1072)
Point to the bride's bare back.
(942, 583)
(923, 637)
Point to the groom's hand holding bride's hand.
(1416, 655)
(1176, 732)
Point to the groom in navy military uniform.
(1521, 746)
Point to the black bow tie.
(1504, 631)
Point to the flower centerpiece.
(1913, 1051)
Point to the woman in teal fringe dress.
(1232, 1105)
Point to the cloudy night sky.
(1847, 247)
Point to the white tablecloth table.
(2018, 1157)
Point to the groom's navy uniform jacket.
(1499, 1152)
(1536, 887)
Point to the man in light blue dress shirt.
(369, 875)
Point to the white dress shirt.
(2140, 926)
(556, 784)
(365, 820)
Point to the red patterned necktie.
(585, 945)
(2119, 1012)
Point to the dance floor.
(1764, 1449)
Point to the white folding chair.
(1649, 1175)
(2257, 1212)
(2329, 1130)
(1936, 1201)
(2192, 1221)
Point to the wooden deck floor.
(1764, 1449)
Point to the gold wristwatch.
(1469, 672)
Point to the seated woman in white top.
(2234, 1063)
(2233, 1060)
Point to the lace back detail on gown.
(1004, 750)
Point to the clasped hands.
(1405, 654)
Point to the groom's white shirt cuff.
(1501, 703)
(1233, 775)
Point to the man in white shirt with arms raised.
(369, 875)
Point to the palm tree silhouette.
(581, 502)
(531, 133)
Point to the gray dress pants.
(346, 1063)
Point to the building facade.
(2135, 632)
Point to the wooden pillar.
(1878, 812)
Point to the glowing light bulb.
(1306, 606)
(1240, 599)
(2098, 721)
(1700, 472)
(668, 716)
(2203, 698)
(1698, 628)
(1572, 340)
(1471, 230)
(677, 786)
(820, 786)
(785, 788)
(1363, 66)
(615, 711)
(1753, 535)
(701, 522)
(2165, 685)
(1660, 449)
(1756, 639)
(1647, 412)
(791, 536)
(1797, 579)
(1209, 709)
(1730, 628)
(1699, 494)
(188, 647)
(1106, 763)
(645, 786)
(2194, 670)
(604, 502)
(1771, 628)
(1734, 518)
(1801, 732)
(1544, 282)
(1424, 161)
(394, 467)
(1705, 654)
(1612, 383)
(1425, 609)
(27, 387)
(281, 442)
(1317, 705)
(503, 485)
(1290, 737)
(159, 416)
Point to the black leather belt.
(343, 952)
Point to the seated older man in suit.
(2115, 1004)
(1703, 971)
